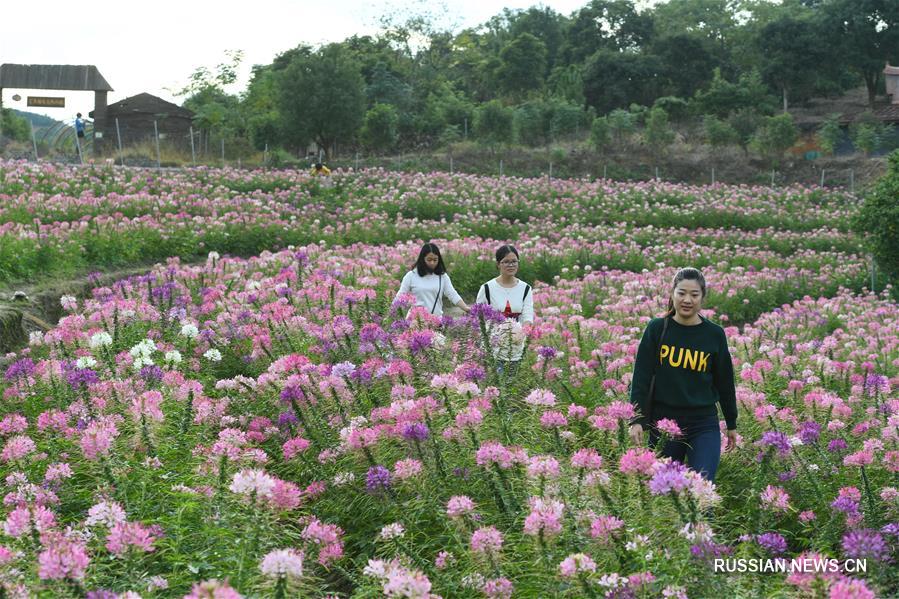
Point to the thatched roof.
(147, 104)
(52, 76)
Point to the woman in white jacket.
(429, 283)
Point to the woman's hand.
(463, 306)
(730, 440)
(635, 432)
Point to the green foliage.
(719, 133)
(829, 134)
(321, 97)
(14, 126)
(379, 132)
(745, 122)
(494, 123)
(621, 124)
(776, 135)
(614, 79)
(658, 133)
(600, 133)
(878, 221)
(522, 65)
(724, 97)
(867, 133)
(678, 109)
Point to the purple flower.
(546, 352)
(487, 312)
(20, 368)
(709, 550)
(378, 479)
(343, 369)
(292, 393)
(866, 543)
(81, 377)
(421, 340)
(776, 440)
(669, 477)
(151, 374)
(287, 418)
(100, 594)
(415, 432)
(809, 432)
(772, 542)
(472, 373)
(836, 445)
(844, 504)
(785, 476)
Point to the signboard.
(47, 102)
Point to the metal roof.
(52, 76)
(148, 104)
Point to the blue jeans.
(700, 445)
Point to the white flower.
(343, 478)
(392, 531)
(100, 339)
(246, 482)
(68, 303)
(173, 356)
(189, 330)
(213, 355)
(214, 255)
(35, 338)
(283, 562)
(143, 349)
(85, 362)
(107, 513)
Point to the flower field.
(254, 417)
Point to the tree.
(379, 132)
(322, 98)
(657, 134)
(567, 82)
(522, 65)
(745, 121)
(531, 124)
(829, 134)
(494, 123)
(776, 135)
(613, 25)
(615, 79)
(687, 63)
(792, 56)
(565, 119)
(719, 133)
(866, 33)
(546, 25)
(14, 126)
(621, 124)
(723, 97)
(712, 20)
(600, 133)
(877, 221)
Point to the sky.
(155, 46)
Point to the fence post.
(500, 168)
(657, 173)
(265, 156)
(851, 180)
(223, 152)
(822, 176)
(78, 148)
(713, 175)
(156, 132)
(605, 169)
(772, 177)
(193, 152)
(118, 135)
(356, 163)
(550, 171)
(873, 274)
(451, 165)
(33, 140)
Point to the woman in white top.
(513, 298)
(429, 283)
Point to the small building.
(136, 116)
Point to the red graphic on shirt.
(508, 313)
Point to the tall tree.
(791, 56)
(615, 79)
(322, 98)
(522, 65)
(606, 24)
(867, 34)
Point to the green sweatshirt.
(693, 372)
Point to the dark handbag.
(652, 382)
(439, 289)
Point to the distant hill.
(38, 120)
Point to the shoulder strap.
(487, 292)
(659, 344)
(527, 290)
(439, 289)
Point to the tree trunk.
(872, 79)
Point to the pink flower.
(602, 527)
(279, 563)
(859, 458)
(129, 534)
(148, 404)
(543, 466)
(294, 447)
(107, 513)
(250, 482)
(637, 461)
(213, 589)
(545, 517)
(486, 540)
(61, 558)
(669, 427)
(775, 498)
(541, 397)
(851, 589)
(575, 564)
(404, 469)
(553, 419)
(458, 506)
(17, 448)
(285, 495)
(492, 452)
(23, 519)
(587, 458)
(498, 588)
(97, 438)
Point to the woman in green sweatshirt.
(689, 358)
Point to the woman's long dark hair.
(685, 274)
(421, 268)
